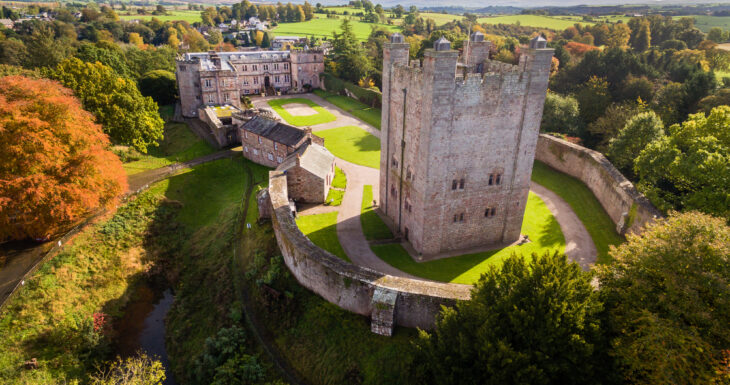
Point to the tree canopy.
(533, 322)
(126, 116)
(667, 295)
(160, 85)
(56, 168)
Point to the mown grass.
(173, 15)
(178, 145)
(322, 115)
(340, 179)
(537, 21)
(324, 27)
(171, 225)
(362, 111)
(321, 229)
(372, 225)
(352, 144)
(538, 224)
(334, 197)
(584, 204)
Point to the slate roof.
(312, 157)
(273, 130)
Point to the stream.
(143, 326)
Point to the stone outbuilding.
(268, 142)
(309, 172)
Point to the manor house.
(219, 78)
(458, 142)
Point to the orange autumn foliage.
(55, 166)
(578, 49)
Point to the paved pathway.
(579, 245)
(343, 118)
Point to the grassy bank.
(179, 145)
(539, 224)
(324, 344)
(179, 230)
(584, 204)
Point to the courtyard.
(562, 214)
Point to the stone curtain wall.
(349, 286)
(628, 208)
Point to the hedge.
(336, 85)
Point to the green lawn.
(584, 203)
(537, 21)
(321, 229)
(322, 115)
(360, 110)
(178, 145)
(323, 27)
(334, 197)
(340, 180)
(539, 224)
(372, 226)
(352, 144)
(173, 15)
(705, 23)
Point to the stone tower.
(458, 142)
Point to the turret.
(476, 51)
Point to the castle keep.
(458, 142)
(216, 78)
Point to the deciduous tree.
(638, 132)
(667, 295)
(533, 322)
(128, 117)
(55, 168)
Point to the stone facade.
(217, 78)
(458, 142)
(309, 173)
(268, 142)
(628, 208)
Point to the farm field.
(532, 21)
(173, 15)
(323, 28)
(705, 23)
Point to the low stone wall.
(352, 287)
(628, 208)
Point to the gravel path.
(579, 246)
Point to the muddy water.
(143, 326)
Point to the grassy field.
(322, 115)
(178, 145)
(537, 21)
(352, 144)
(705, 23)
(176, 222)
(173, 15)
(585, 205)
(372, 226)
(321, 229)
(323, 27)
(539, 224)
(360, 110)
(340, 179)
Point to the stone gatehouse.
(458, 142)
